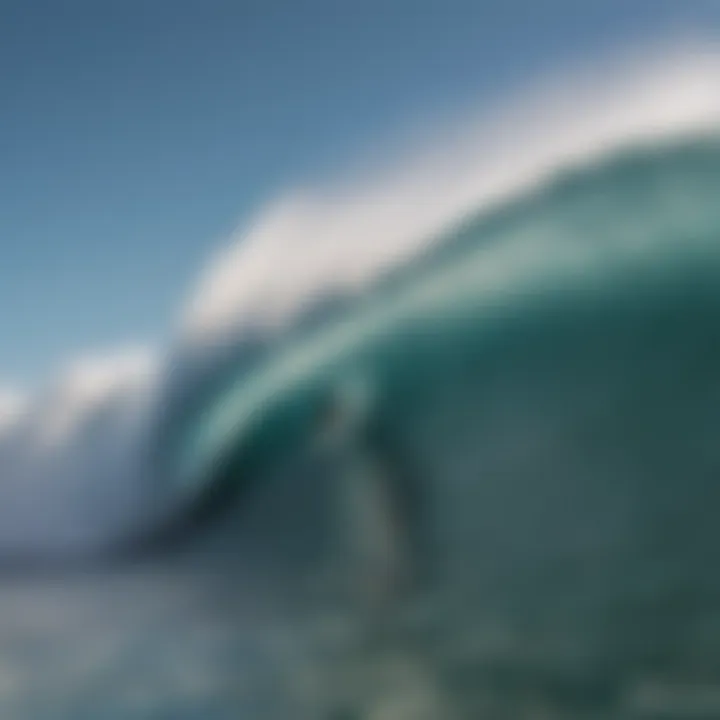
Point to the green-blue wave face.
(600, 279)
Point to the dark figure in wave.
(380, 508)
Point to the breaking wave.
(582, 192)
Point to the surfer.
(384, 543)
(378, 503)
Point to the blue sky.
(136, 134)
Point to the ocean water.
(548, 376)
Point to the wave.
(641, 224)
(592, 186)
(546, 375)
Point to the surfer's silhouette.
(378, 502)
(383, 544)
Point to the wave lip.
(327, 241)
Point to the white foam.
(70, 458)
